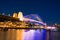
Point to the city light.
(25, 28)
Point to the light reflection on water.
(35, 35)
(30, 35)
(27, 35)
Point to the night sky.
(48, 10)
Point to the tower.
(20, 16)
(15, 15)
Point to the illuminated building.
(15, 15)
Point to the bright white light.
(50, 27)
(53, 27)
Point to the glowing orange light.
(20, 16)
(15, 15)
